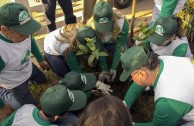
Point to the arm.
(35, 50)
(120, 45)
(103, 63)
(8, 121)
(133, 92)
(181, 50)
(168, 112)
(37, 54)
(72, 61)
(168, 7)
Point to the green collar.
(4, 38)
(159, 73)
(39, 120)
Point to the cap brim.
(157, 39)
(103, 27)
(80, 100)
(91, 81)
(28, 28)
(124, 76)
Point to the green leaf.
(91, 59)
(137, 38)
(88, 40)
(83, 48)
(91, 46)
(97, 54)
(103, 54)
(79, 53)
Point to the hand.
(140, 42)
(44, 65)
(104, 75)
(96, 92)
(113, 75)
(103, 87)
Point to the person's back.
(106, 111)
(59, 48)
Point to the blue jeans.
(9, 99)
(20, 95)
(57, 64)
(69, 119)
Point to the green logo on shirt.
(26, 57)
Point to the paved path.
(142, 7)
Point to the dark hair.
(50, 116)
(180, 31)
(106, 111)
(153, 61)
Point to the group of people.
(162, 65)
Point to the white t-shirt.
(52, 45)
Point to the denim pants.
(9, 99)
(50, 7)
(20, 95)
(57, 64)
(69, 120)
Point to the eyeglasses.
(130, 77)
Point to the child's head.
(85, 32)
(16, 23)
(106, 111)
(79, 81)
(103, 15)
(15, 17)
(58, 99)
(165, 29)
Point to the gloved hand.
(138, 42)
(104, 75)
(113, 75)
(103, 87)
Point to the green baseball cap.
(165, 27)
(87, 32)
(79, 81)
(16, 17)
(59, 99)
(132, 59)
(102, 14)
